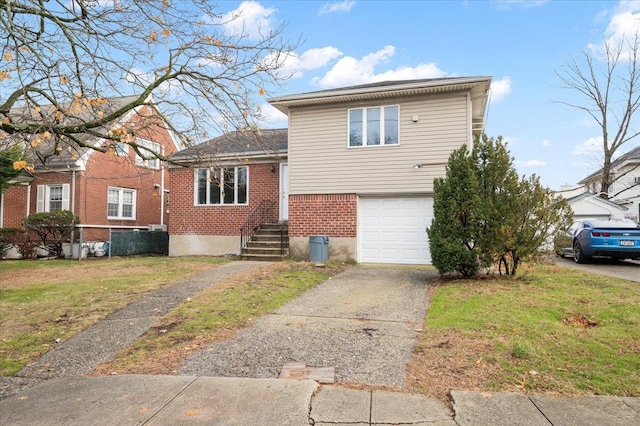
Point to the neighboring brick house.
(625, 189)
(360, 164)
(117, 189)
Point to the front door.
(284, 191)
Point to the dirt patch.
(445, 360)
(580, 321)
(165, 361)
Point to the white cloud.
(590, 147)
(500, 89)
(272, 117)
(546, 142)
(530, 163)
(250, 18)
(337, 7)
(351, 71)
(311, 59)
(624, 24)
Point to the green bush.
(485, 214)
(52, 229)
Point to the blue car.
(617, 239)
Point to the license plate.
(626, 243)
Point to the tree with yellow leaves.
(61, 62)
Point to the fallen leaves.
(579, 320)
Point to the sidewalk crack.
(540, 410)
(170, 401)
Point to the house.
(588, 205)
(625, 189)
(116, 190)
(356, 165)
(227, 180)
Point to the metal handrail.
(264, 213)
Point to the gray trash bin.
(318, 248)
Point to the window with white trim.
(121, 203)
(52, 198)
(228, 185)
(148, 151)
(374, 126)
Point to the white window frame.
(43, 197)
(121, 192)
(220, 174)
(364, 110)
(149, 161)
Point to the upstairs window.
(121, 203)
(228, 185)
(121, 149)
(146, 157)
(373, 126)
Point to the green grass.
(215, 314)
(41, 301)
(536, 326)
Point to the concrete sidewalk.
(171, 400)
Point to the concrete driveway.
(628, 269)
(363, 322)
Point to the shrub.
(52, 229)
(15, 237)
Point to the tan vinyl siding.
(321, 162)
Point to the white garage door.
(393, 230)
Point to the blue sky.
(521, 44)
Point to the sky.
(521, 44)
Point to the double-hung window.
(373, 126)
(121, 203)
(52, 198)
(148, 151)
(228, 185)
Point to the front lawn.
(552, 329)
(43, 300)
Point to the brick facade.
(335, 215)
(187, 218)
(89, 184)
(14, 206)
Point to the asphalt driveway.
(363, 322)
(628, 269)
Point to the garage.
(393, 230)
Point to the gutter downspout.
(28, 200)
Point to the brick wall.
(14, 206)
(190, 219)
(334, 215)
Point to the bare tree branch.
(60, 61)
(609, 95)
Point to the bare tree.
(610, 95)
(61, 61)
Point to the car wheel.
(578, 255)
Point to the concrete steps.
(267, 244)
